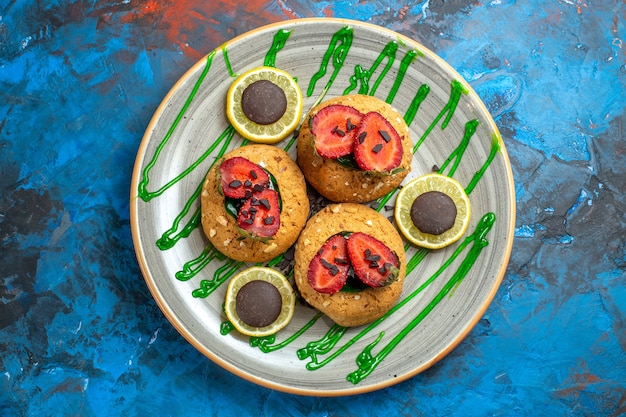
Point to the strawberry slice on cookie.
(372, 261)
(333, 128)
(260, 214)
(378, 145)
(328, 270)
(239, 177)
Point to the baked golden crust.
(221, 228)
(348, 308)
(339, 183)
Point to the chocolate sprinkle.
(384, 135)
(265, 203)
(362, 137)
(235, 184)
(377, 148)
(350, 126)
(338, 131)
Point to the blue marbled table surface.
(79, 331)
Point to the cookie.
(348, 308)
(335, 180)
(221, 227)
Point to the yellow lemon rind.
(265, 274)
(272, 133)
(432, 182)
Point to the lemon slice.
(432, 182)
(258, 300)
(277, 128)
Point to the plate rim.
(181, 328)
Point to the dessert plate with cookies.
(323, 207)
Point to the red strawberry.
(328, 270)
(378, 147)
(240, 177)
(373, 262)
(333, 128)
(260, 214)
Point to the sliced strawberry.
(333, 128)
(378, 146)
(373, 262)
(328, 270)
(260, 214)
(240, 177)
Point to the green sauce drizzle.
(143, 192)
(280, 39)
(337, 50)
(363, 76)
(366, 362)
(170, 237)
(448, 110)
(222, 274)
(409, 57)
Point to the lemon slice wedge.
(246, 307)
(277, 126)
(426, 183)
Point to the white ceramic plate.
(190, 129)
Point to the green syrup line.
(229, 67)
(280, 39)
(367, 362)
(337, 50)
(419, 98)
(495, 148)
(457, 154)
(324, 345)
(363, 76)
(266, 344)
(409, 57)
(448, 110)
(221, 275)
(170, 237)
(193, 267)
(142, 190)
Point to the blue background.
(79, 331)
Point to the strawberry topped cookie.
(350, 264)
(254, 203)
(354, 148)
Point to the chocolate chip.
(377, 148)
(258, 303)
(338, 131)
(263, 102)
(362, 137)
(350, 126)
(235, 184)
(265, 203)
(384, 135)
(433, 212)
